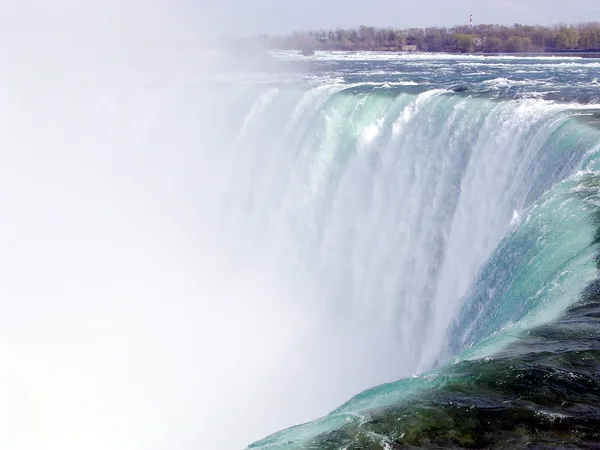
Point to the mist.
(127, 319)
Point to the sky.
(276, 16)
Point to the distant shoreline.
(582, 54)
(593, 55)
(578, 40)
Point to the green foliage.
(492, 45)
(517, 44)
(567, 39)
(465, 43)
(462, 39)
(589, 39)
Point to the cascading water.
(385, 197)
(391, 199)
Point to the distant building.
(409, 48)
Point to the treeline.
(462, 39)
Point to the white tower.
(471, 21)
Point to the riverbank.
(592, 55)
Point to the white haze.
(122, 325)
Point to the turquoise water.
(456, 223)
